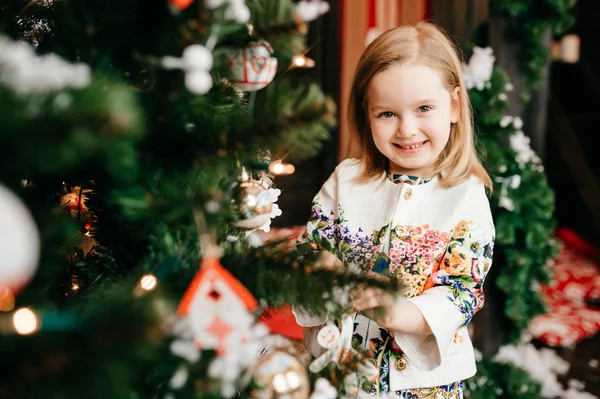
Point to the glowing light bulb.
(299, 61)
(280, 168)
(148, 282)
(302, 61)
(25, 321)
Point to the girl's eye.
(386, 114)
(424, 108)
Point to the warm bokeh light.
(280, 168)
(148, 282)
(25, 321)
(302, 61)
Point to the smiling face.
(328, 336)
(410, 113)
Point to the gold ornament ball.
(280, 375)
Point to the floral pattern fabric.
(383, 341)
(423, 257)
(452, 391)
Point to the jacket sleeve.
(454, 292)
(321, 235)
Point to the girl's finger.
(376, 276)
(368, 300)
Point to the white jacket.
(441, 245)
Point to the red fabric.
(281, 320)
(577, 279)
(577, 275)
(575, 241)
(565, 324)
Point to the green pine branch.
(528, 21)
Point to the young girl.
(413, 205)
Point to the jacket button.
(401, 364)
(408, 194)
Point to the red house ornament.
(180, 5)
(219, 307)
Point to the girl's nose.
(406, 128)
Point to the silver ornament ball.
(252, 199)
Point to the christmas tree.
(139, 144)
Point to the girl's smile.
(411, 148)
(410, 115)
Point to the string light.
(281, 168)
(302, 61)
(148, 282)
(75, 287)
(25, 321)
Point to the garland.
(528, 21)
(522, 202)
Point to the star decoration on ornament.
(220, 330)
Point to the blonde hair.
(427, 45)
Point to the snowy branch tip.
(25, 72)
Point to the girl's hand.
(388, 310)
(376, 304)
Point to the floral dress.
(418, 255)
(385, 349)
(381, 340)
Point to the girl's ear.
(456, 105)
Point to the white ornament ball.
(19, 242)
(311, 10)
(212, 4)
(197, 57)
(253, 67)
(198, 82)
(238, 12)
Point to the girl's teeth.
(411, 146)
